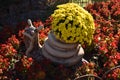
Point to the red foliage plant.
(107, 35)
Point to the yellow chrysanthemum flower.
(71, 24)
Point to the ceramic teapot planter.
(59, 52)
(71, 26)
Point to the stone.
(53, 49)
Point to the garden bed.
(103, 54)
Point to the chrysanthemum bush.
(71, 23)
(104, 51)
